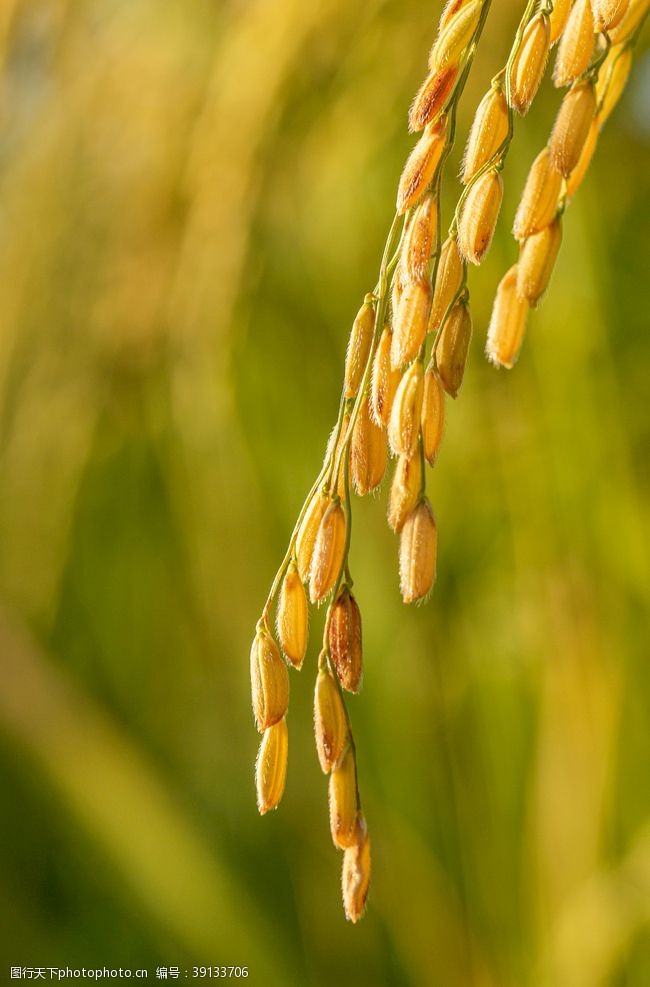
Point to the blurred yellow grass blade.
(260, 50)
(577, 730)
(41, 465)
(126, 808)
(419, 904)
(599, 922)
(7, 12)
(262, 44)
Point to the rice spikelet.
(271, 767)
(536, 262)
(451, 8)
(452, 347)
(417, 553)
(538, 203)
(576, 177)
(306, 537)
(359, 347)
(368, 451)
(293, 617)
(558, 18)
(530, 62)
(456, 35)
(479, 216)
(636, 11)
(489, 131)
(433, 416)
(421, 165)
(339, 456)
(404, 424)
(355, 879)
(385, 380)
(419, 241)
(449, 278)
(576, 45)
(329, 551)
(344, 639)
(611, 82)
(571, 127)
(397, 286)
(404, 490)
(410, 324)
(507, 324)
(432, 97)
(609, 13)
(343, 801)
(269, 681)
(330, 725)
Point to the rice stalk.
(393, 399)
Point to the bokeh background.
(193, 200)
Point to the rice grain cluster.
(407, 353)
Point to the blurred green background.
(193, 201)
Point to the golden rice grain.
(433, 416)
(432, 96)
(636, 11)
(452, 347)
(417, 553)
(306, 537)
(419, 241)
(292, 617)
(368, 451)
(489, 131)
(343, 800)
(339, 457)
(359, 347)
(344, 641)
(410, 323)
(479, 216)
(404, 423)
(576, 44)
(385, 380)
(536, 262)
(405, 490)
(609, 13)
(558, 18)
(449, 277)
(397, 286)
(455, 35)
(355, 880)
(269, 681)
(611, 82)
(529, 63)
(421, 165)
(539, 199)
(271, 766)
(507, 324)
(571, 127)
(576, 177)
(329, 551)
(330, 724)
(408, 411)
(451, 8)
(335, 453)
